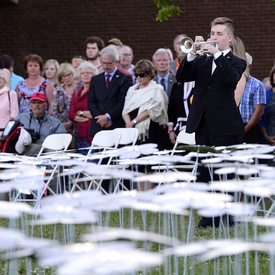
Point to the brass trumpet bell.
(187, 45)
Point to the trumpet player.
(214, 115)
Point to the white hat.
(24, 140)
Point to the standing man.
(214, 115)
(107, 93)
(162, 59)
(94, 45)
(126, 60)
(252, 106)
(179, 53)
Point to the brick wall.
(58, 29)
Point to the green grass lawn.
(165, 224)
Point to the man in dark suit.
(107, 93)
(214, 115)
(162, 59)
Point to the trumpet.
(187, 45)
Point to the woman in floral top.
(33, 64)
(62, 94)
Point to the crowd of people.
(206, 89)
(160, 97)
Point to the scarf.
(4, 89)
(151, 98)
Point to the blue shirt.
(111, 75)
(165, 81)
(254, 93)
(14, 80)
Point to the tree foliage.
(168, 9)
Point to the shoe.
(205, 222)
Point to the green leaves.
(166, 9)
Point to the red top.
(79, 103)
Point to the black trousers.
(254, 135)
(204, 137)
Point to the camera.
(34, 135)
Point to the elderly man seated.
(39, 126)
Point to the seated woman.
(8, 100)
(145, 104)
(79, 111)
(33, 64)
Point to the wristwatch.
(135, 121)
(81, 113)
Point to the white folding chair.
(184, 138)
(54, 142)
(129, 136)
(102, 141)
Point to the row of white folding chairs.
(103, 141)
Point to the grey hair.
(126, 46)
(110, 51)
(86, 65)
(163, 50)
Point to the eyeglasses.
(107, 63)
(141, 75)
(126, 54)
(66, 75)
(86, 73)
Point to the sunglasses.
(141, 75)
(79, 56)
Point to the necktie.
(214, 66)
(162, 83)
(107, 81)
